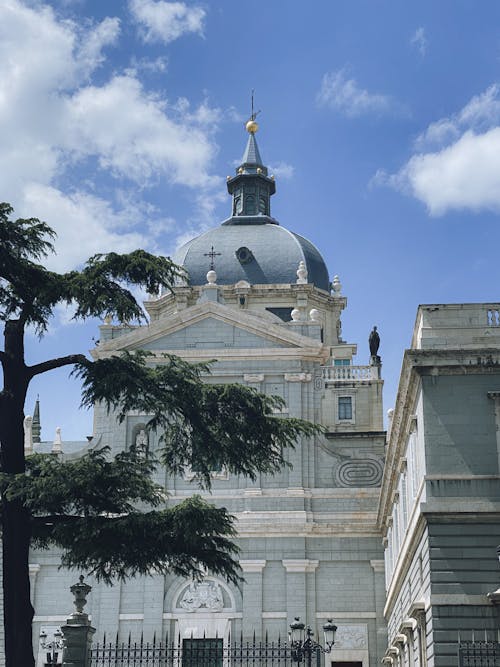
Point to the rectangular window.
(202, 652)
(345, 407)
(341, 362)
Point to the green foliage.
(88, 486)
(202, 426)
(89, 508)
(30, 292)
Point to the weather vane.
(254, 113)
(212, 254)
(251, 125)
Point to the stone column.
(77, 631)
(252, 597)
(378, 568)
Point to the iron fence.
(192, 652)
(479, 653)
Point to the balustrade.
(348, 373)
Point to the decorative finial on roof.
(36, 428)
(251, 125)
(57, 444)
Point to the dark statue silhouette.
(374, 342)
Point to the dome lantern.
(251, 188)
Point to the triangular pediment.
(210, 326)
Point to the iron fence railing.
(192, 652)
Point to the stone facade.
(309, 540)
(440, 499)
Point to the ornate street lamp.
(302, 643)
(52, 646)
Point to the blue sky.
(381, 121)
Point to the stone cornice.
(232, 354)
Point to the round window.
(244, 255)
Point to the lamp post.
(304, 645)
(52, 646)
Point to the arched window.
(237, 205)
(250, 204)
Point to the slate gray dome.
(251, 245)
(260, 254)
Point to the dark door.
(202, 652)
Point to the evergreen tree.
(106, 515)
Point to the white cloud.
(94, 224)
(465, 175)
(342, 94)
(90, 53)
(165, 22)
(419, 41)
(282, 170)
(158, 65)
(463, 170)
(54, 116)
(481, 113)
(132, 135)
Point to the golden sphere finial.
(252, 126)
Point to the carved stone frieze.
(359, 472)
(351, 637)
(202, 595)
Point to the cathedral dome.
(258, 253)
(251, 245)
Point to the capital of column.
(377, 565)
(408, 627)
(417, 609)
(252, 565)
(300, 565)
(298, 377)
(253, 378)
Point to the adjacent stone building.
(439, 511)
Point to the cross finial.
(212, 254)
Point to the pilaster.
(297, 571)
(153, 606)
(252, 596)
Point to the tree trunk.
(18, 611)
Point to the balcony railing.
(349, 373)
